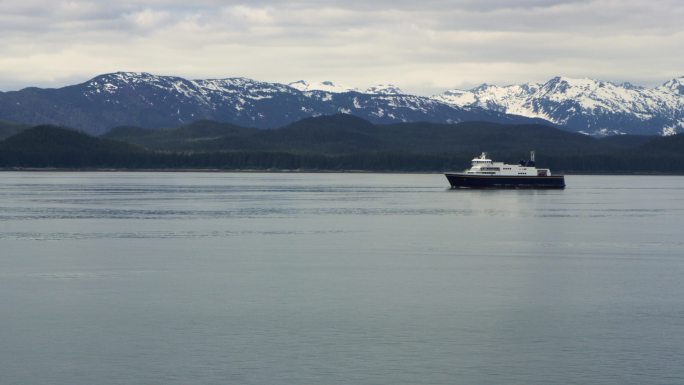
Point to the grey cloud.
(430, 44)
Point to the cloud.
(422, 46)
(249, 15)
(147, 18)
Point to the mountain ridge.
(143, 99)
(153, 101)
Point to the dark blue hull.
(496, 181)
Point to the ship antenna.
(532, 155)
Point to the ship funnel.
(532, 155)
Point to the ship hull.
(500, 181)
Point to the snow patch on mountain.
(675, 85)
(603, 132)
(330, 87)
(384, 89)
(673, 129)
(326, 86)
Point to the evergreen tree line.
(341, 144)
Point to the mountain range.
(151, 101)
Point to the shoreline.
(215, 170)
(289, 171)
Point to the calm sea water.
(232, 278)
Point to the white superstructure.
(485, 166)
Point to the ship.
(485, 173)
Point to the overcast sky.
(424, 46)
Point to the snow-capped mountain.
(584, 105)
(333, 88)
(675, 86)
(384, 89)
(326, 86)
(147, 100)
(152, 101)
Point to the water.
(222, 278)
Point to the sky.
(424, 47)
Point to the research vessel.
(485, 173)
